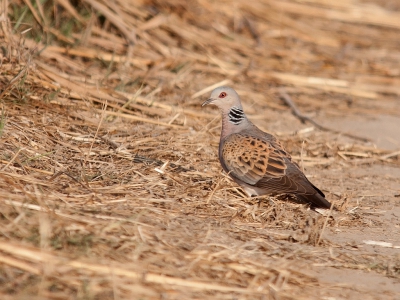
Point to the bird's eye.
(222, 95)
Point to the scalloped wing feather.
(251, 159)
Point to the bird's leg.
(250, 194)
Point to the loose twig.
(143, 159)
(17, 77)
(70, 176)
(12, 160)
(288, 100)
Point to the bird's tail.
(315, 200)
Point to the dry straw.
(109, 182)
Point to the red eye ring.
(222, 95)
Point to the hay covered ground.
(110, 185)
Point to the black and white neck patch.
(236, 115)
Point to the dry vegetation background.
(110, 186)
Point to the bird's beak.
(208, 101)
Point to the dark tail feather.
(315, 200)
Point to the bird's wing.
(294, 181)
(252, 159)
(265, 164)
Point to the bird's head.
(225, 98)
